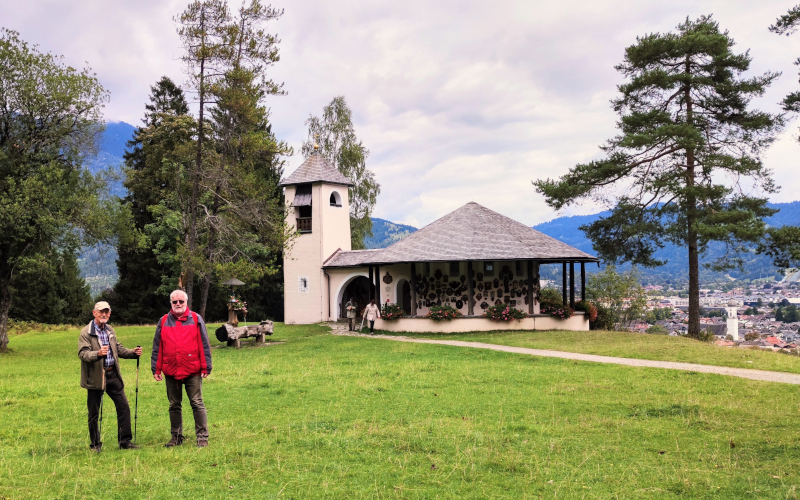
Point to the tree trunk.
(691, 222)
(204, 296)
(5, 305)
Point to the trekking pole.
(136, 411)
(102, 397)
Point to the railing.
(304, 224)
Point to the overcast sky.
(457, 101)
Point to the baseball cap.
(102, 305)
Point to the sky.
(457, 101)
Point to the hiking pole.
(102, 397)
(136, 412)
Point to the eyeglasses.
(178, 301)
(104, 311)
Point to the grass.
(321, 416)
(630, 345)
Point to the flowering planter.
(578, 322)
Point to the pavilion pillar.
(470, 291)
(530, 287)
(583, 282)
(564, 283)
(371, 284)
(378, 285)
(572, 285)
(414, 290)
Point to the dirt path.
(781, 377)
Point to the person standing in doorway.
(371, 313)
(100, 353)
(182, 353)
(351, 308)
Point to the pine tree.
(137, 297)
(688, 154)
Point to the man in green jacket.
(100, 352)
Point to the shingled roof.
(316, 169)
(471, 233)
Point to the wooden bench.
(233, 334)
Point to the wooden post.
(572, 285)
(371, 284)
(583, 282)
(378, 285)
(470, 291)
(530, 287)
(564, 283)
(413, 290)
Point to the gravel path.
(781, 377)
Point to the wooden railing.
(304, 224)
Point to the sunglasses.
(178, 301)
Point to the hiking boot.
(97, 448)
(175, 441)
(128, 446)
(202, 443)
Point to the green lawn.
(321, 416)
(630, 345)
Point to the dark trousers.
(371, 326)
(194, 391)
(117, 394)
(351, 322)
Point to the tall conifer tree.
(687, 156)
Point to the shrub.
(556, 310)
(657, 330)
(390, 312)
(588, 308)
(503, 312)
(604, 321)
(442, 313)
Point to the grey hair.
(175, 292)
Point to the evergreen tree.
(338, 144)
(688, 144)
(137, 297)
(50, 117)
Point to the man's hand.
(103, 351)
(138, 351)
(204, 375)
(157, 376)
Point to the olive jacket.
(91, 363)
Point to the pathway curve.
(781, 377)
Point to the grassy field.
(318, 416)
(630, 345)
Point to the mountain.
(384, 233)
(98, 264)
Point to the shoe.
(128, 446)
(175, 441)
(202, 443)
(97, 448)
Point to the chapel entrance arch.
(358, 288)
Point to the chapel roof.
(316, 169)
(470, 233)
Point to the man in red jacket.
(182, 353)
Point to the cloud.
(456, 101)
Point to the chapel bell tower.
(319, 210)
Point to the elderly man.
(182, 353)
(100, 352)
(351, 308)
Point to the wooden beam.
(572, 285)
(378, 285)
(470, 291)
(583, 282)
(530, 287)
(414, 290)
